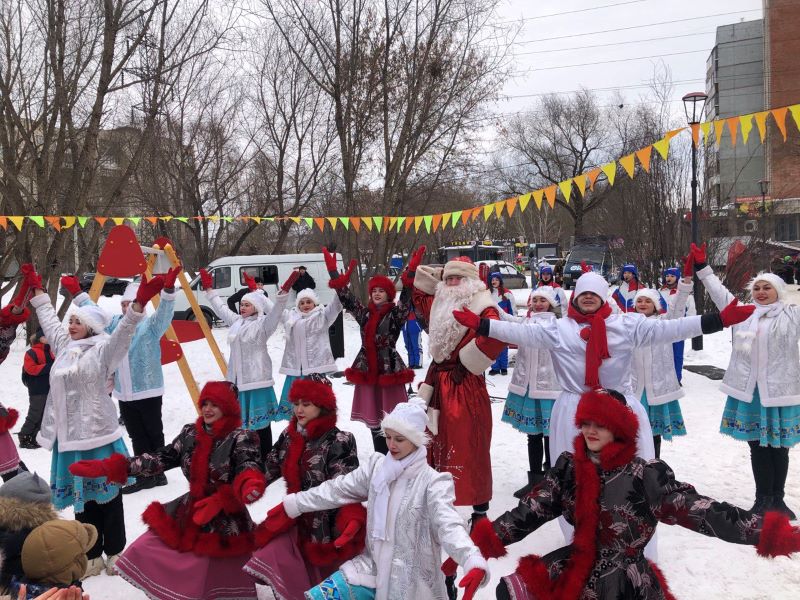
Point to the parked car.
(512, 279)
(112, 286)
(597, 256)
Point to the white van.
(228, 273)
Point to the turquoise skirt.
(666, 420)
(528, 415)
(336, 588)
(285, 407)
(776, 426)
(70, 490)
(259, 408)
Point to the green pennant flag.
(309, 221)
(82, 221)
(456, 216)
(378, 222)
(346, 222)
(134, 220)
(182, 219)
(270, 219)
(228, 219)
(38, 220)
(400, 222)
(427, 219)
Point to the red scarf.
(596, 340)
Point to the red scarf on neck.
(596, 341)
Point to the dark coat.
(36, 369)
(305, 461)
(213, 461)
(378, 362)
(17, 520)
(305, 281)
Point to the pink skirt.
(166, 574)
(9, 458)
(370, 402)
(281, 566)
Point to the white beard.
(444, 332)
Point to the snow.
(695, 566)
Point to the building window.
(786, 228)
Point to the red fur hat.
(317, 390)
(223, 394)
(602, 407)
(383, 282)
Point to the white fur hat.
(258, 300)
(409, 419)
(307, 293)
(94, 317)
(130, 292)
(461, 266)
(652, 295)
(772, 279)
(547, 292)
(591, 282)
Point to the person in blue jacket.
(139, 381)
(505, 300)
(412, 336)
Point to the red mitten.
(778, 536)
(114, 468)
(250, 282)
(149, 289)
(411, 270)
(206, 280)
(277, 520)
(330, 260)
(467, 318)
(171, 276)
(249, 485)
(8, 318)
(688, 265)
(471, 582)
(31, 278)
(353, 527)
(23, 294)
(485, 538)
(7, 420)
(698, 254)
(586, 268)
(734, 313)
(287, 285)
(206, 509)
(343, 280)
(71, 284)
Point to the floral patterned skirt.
(285, 406)
(259, 408)
(528, 415)
(776, 426)
(666, 420)
(336, 587)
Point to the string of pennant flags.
(711, 131)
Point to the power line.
(617, 60)
(570, 12)
(653, 39)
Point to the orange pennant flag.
(779, 114)
(746, 123)
(320, 223)
(101, 220)
(550, 195)
(719, 127)
(671, 134)
(356, 223)
(761, 123)
(511, 205)
(464, 216)
(368, 222)
(537, 198)
(592, 175)
(644, 157)
(437, 219)
(409, 222)
(733, 126)
(627, 163)
(695, 133)
(498, 208)
(4, 222)
(151, 220)
(580, 181)
(55, 222)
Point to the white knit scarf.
(745, 337)
(389, 470)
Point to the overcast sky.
(644, 28)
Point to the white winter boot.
(110, 562)
(95, 567)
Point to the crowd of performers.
(595, 388)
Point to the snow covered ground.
(695, 566)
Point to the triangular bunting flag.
(671, 134)
(719, 127)
(705, 127)
(610, 169)
(38, 220)
(498, 208)
(746, 123)
(409, 222)
(795, 110)
(378, 222)
(511, 205)
(428, 219)
(627, 163)
(320, 222)
(550, 195)
(779, 114)
(695, 134)
(346, 222)
(4, 223)
(392, 222)
(400, 222)
(566, 189)
(465, 215)
(446, 220)
(228, 219)
(456, 216)
(593, 175)
(102, 220)
(213, 218)
(297, 221)
(17, 221)
(356, 221)
(118, 220)
(69, 222)
(332, 221)
(644, 157)
(368, 222)
(182, 219)
(537, 198)
(309, 222)
(580, 181)
(55, 222)
(135, 220)
(523, 201)
(417, 223)
(761, 123)
(733, 127)
(662, 147)
(487, 210)
(82, 221)
(435, 221)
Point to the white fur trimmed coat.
(308, 346)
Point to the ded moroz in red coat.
(455, 387)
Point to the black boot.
(779, 505)
(141, 483)
(28, 442)
(762, 504)
(533, 479)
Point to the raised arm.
(159, 322)
(678, 308)
(332, 310)
(719, 294)
(347, 489)
(56, 336)
(425, 281)
(269, 322)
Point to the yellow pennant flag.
(332, 221)
(627, 163)
(118, 220)
(580, 181)
(550, 195)
(446, 219)
(498, 208)
(779, 114)
(566, 189)
(644, 157)
(417, 223)
(511, 205)
(795, 110)
(17, 221)
(368, 222)
(69, 222)
(761, 123)
(537, 198)
(296, 220)
(662, 147)
(746, 122)
(719, 127)
(487, 210)
(523, 201)
(610, 169)
(392, 222)
(705, 127)
(733, 127)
